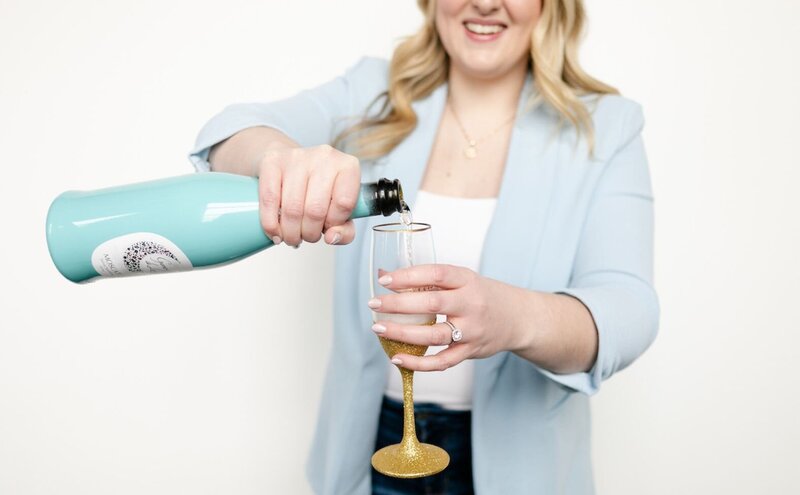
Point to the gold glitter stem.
(410, 444)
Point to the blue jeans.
(444, 428)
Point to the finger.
(293, 196)
(346, 233)
(445, 359)
(434, 275)
(318, 199)
(269, 193)
(346, 188)
(445, 302)
(439, 334)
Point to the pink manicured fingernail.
(385, 280)
(378, 328)
(397, 361)
(374, 303)
(276, 240)
(336, 238)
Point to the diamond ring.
(455, 332)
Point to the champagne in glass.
(395, 246)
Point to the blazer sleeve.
(613, 270)
(312, 117)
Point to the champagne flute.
(395, 246)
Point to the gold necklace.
(471, 150)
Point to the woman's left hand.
(482, 308)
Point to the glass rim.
(388, 228)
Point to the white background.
(208, 382)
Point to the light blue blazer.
(563, 223)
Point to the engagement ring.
(455, 333)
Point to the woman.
(535, 173)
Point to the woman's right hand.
(307, 192)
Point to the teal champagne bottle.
(174, 224)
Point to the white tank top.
(459, 230)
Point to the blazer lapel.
(409, 159)
(510, 251)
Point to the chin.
(484, 69)
(488, 63)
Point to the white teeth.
(483, 28)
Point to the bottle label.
(140, 253)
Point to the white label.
(141, 253)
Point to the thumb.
(341, 234)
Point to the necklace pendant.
(471, 151)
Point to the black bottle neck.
(387, 197)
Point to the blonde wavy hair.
(420, 64)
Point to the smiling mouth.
(483, 29)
